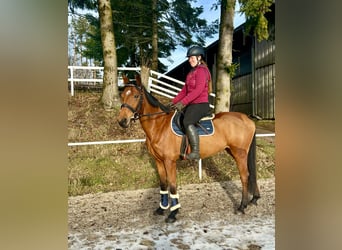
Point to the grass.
(266, 124)
(104, 168)
(113, 167)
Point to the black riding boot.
(192, 134)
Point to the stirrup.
(195, 156)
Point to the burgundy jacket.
(195, 89)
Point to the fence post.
(72, 80)
(200, 169)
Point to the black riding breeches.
(194, 112)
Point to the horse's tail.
(251, 163)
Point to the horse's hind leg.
(240, 157)
(252, 178)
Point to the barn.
(253, 86)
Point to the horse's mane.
(154, 101)
(150, 98)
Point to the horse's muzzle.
(124, 122)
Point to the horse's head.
(131, 98)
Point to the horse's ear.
(125, 79)
(138, 79)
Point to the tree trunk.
(154, 65)
(110, 94)
(224, 59)
(145, 73)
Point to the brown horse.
(234, 132)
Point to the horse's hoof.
(170, 219)
(241, 209)
(254, 200)
(159, 211)
(172, 216)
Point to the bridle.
(137, 111)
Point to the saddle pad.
(207, 124)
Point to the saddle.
(204, 127)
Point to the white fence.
(156, 82)
(91, 75)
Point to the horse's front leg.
(164, 193)
(170, 167)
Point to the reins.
(151, 114)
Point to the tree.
(256, 24)
(92, 44)
(78, 29)
(146, 30)
(224, 56)
(164, 25)
(154, 65)
(110, 92)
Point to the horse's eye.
(136, 96)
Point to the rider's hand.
(170, 105)
(179, 106)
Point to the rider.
(193, 98)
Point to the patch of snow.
(254, 233)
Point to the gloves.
(170, 105)
(179, 106)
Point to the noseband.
(135, 111)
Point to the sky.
(179, 55)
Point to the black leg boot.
(192, 134)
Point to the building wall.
(253, 86)
(241, 94)
(264, 80)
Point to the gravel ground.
(207, 219)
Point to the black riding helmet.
(195, 51)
